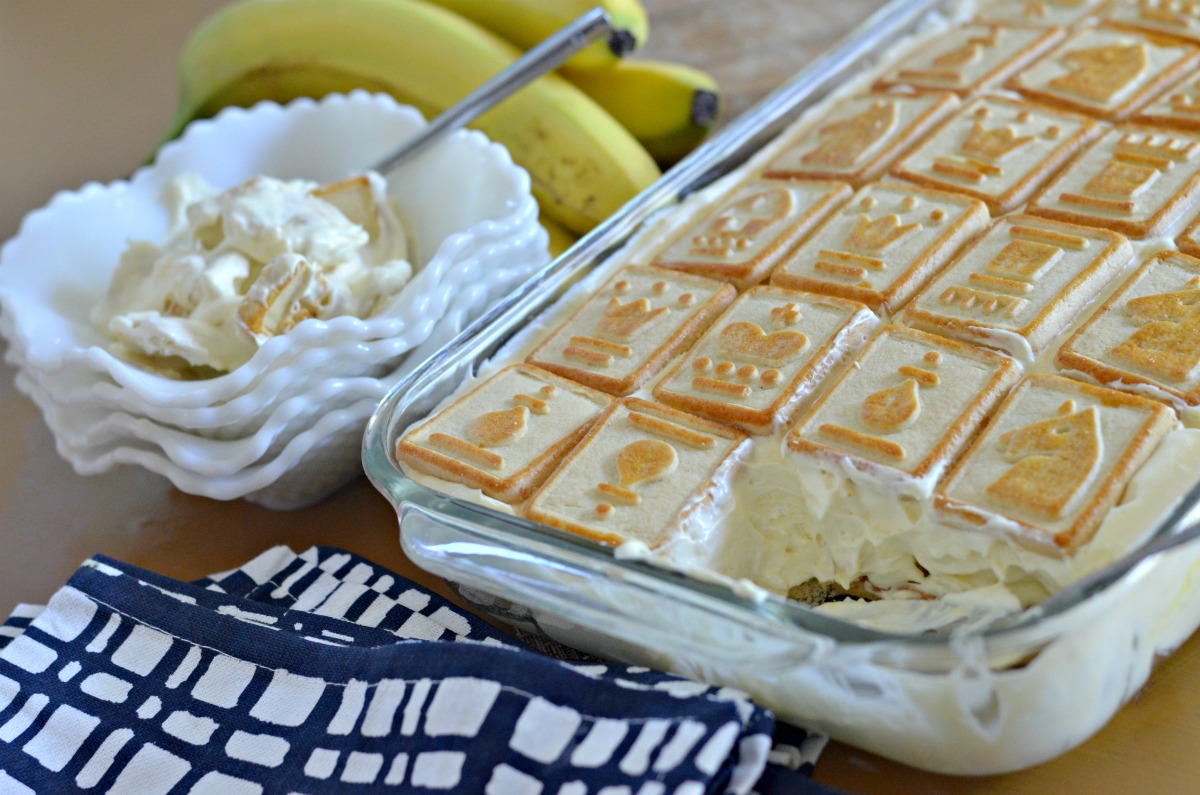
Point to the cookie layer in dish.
(964, 386)
(764, 356)
(632, 327)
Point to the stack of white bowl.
(284, 429)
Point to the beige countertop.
(86, 90)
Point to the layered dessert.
(940, 354)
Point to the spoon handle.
(545, 57)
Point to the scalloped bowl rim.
(154, 388)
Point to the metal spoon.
(543, 58)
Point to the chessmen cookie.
(997, 150)
(1020, 284)
(505, 435)
(1134, 180)
(971, 58)
(1146, 334)
(761, 358)
(643, 472)
(631, 327)
(740, 238)
(1060, 13)
(883, 245)
(1053, 460)
(1104, 72)
(1173, 18)
(861, 137)
(909, 405)
(1178, 107)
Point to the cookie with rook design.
(1020, 284)
(1134, 180)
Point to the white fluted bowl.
(477, 236)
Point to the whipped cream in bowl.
(244, 265)
(253, 279)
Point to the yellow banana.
(583, 165)
(561, 238)
(527, 22)
(669, 107)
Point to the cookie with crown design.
(739, 239)
(861, 137)
(1020, 284)
(997, 150)
(906, 409)
(1056, 13)
(1146, 334)
(883, 245)
(1173, 18)
(970, 58)
(505, 435)
(1135, 180)
(1178, 107)
(1054, 459)
(643, 473)
(631, 327)
(1106, 73)
(764, 355)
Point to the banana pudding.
(1004, 403)
(249, 263)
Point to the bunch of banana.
(588, 137)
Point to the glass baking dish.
(977, 701)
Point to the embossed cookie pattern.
(1147, 333)
(882, 245)
(1105, 73)
(637, 475)
(743, 237)
(1178, 19)
(628, 330)
(1053, 460)
(1057, 13)
(861, 137)
(1020, 284)
(768, 351)
(997, 150)
(911, 403)
(1134, 180)
(504, 436)
(1188, 240)
(1177, 107)
(971, 58)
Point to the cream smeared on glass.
(249, 263)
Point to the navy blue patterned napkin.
(323, 672)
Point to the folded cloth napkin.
(323, 672)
